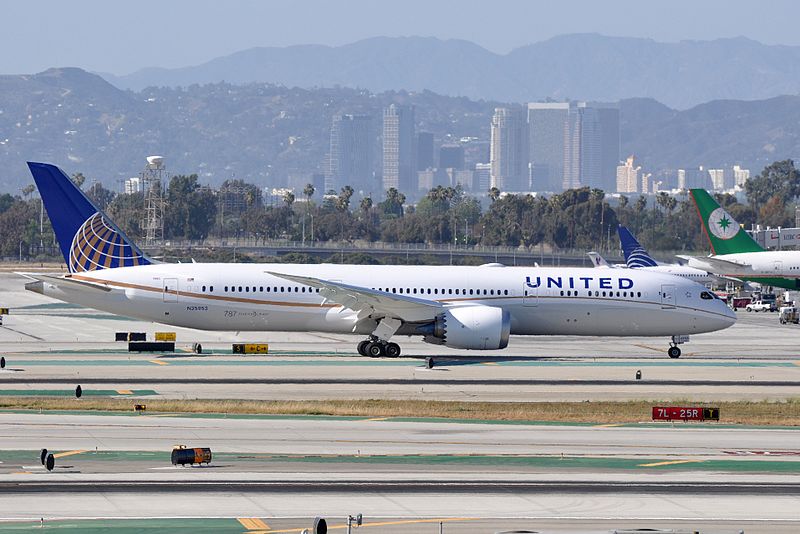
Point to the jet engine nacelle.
(471, 327)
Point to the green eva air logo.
(722, 225)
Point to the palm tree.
(494, 193)
(288, 198)
(308, 191)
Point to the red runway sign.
(683, 413)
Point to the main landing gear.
(674, 350)
(376, 348)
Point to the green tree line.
(575, 219)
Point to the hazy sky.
(123, 36)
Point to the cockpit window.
(705, 295)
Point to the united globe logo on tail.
(99, 245)
(722, 225)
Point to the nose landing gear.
(376, 348)
(674, 350)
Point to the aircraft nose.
(728, 316)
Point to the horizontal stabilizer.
(716, 265)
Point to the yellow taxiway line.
(674, 462)
(68, 453)
(252, 523)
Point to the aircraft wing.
(370, 302)
(716, 265)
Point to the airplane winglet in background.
(723, 232)
(88, 239)
(635, 254)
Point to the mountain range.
(578, 66)
(264, 133)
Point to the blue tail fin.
(635, 254)
(88, 239)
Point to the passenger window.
(639, 294)
(211, 289)
(240, 289)
(506, 291)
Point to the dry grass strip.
(753, 413)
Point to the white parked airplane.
(736, 254)
(458, 307)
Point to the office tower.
(451, 157)
(608, 122)
(425, 151)
(717, 177)
(646, 182)
(399, 149)
(350, 154)
(627, 177)
(740, 176)
(465, 178)
(509, 151)
(547, 122)
(483, 177)
(573, 145)
(681, 179)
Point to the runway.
(303, 466)
(405, 474)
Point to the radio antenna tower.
(153, 187)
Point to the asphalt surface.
(475, 476)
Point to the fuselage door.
(170, 290)
(668, 296)
(530, 295)
(777, 267)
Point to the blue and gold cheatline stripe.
(97, 245)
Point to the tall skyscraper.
(509, 151)
(740, 176)
(717, 177)
(399, 149)
(425, 151)
(608, 119)
(573, 145)
(627, 177)
(350, 160)
(482, 179)
(547, 122)
(451, 157)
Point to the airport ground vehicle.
(760, 305)
(789, 314)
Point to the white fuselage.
(684, 271)
(541, 301)
(764, 266)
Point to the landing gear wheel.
(375, 350)
(392, 350)
(362, 347)
(674, 352)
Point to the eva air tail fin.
(89, 240)
(723, 232)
